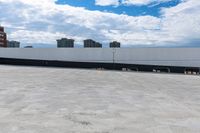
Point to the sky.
(139, 23)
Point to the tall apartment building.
(3, 37)
(13, 44)
(89, 43)
(115, 44)
(65, 43)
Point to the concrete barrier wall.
(189, 57)
(160, 56)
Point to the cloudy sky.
(132, 22)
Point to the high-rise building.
(89, 43)
(13, 44)
(3, 37)
(98, 45)
(115, 44)
(28, 46)
(65, 43)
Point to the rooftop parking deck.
(59, 100)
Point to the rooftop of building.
(1, 29)
(58, 100)
(65, 39)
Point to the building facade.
(89, 43)
(13, 44)
(115, 44)
(3, 37)
(28, 46)
(65, 43)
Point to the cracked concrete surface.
(57, 100)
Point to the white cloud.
(107, 2)
(142, 2)
(127, 2)
(183, 21)
(35, 22)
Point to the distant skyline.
(151, 23)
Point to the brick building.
(3, 37)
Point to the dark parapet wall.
(108, 66)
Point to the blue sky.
(137, 23)
(152, 9)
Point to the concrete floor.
(55, 100)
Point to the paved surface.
(54, 100)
